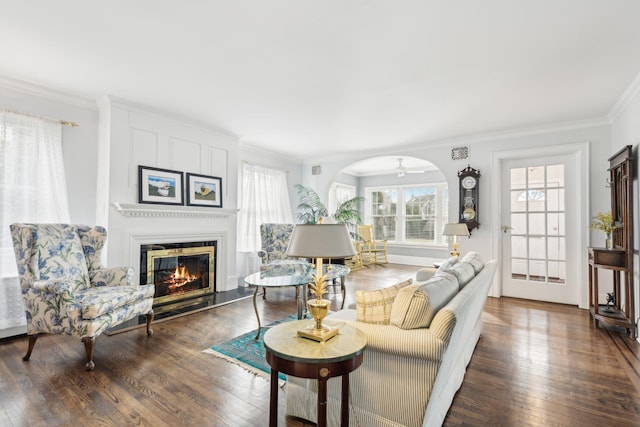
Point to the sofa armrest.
(117, 276)
(420, 343)
(442, 324)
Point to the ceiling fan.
(401, 170)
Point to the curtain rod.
(48, 119)
(263, 166)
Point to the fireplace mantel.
(149, 210)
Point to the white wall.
(625, 130)
(131, 136)
(598, 137)
(79, 155)
(259, 156)
(79, 144)
(248, 263)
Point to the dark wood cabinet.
(620, 310)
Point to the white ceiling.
(306, 77)
(387, 165)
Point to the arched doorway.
(406, 198)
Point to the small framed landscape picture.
(160, 186)
(203, 190)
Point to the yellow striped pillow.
(416, 305)
(375, 306)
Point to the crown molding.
(282, 156)
(625, 99)
(30, 88)
(468, 139)
(148, 110)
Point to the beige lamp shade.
(455, 229)
(320, 241)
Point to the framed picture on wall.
(203, 190)
(160, 186)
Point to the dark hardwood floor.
(536, 364)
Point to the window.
(338, 194)
(411, 214)
(32, 189)
(264, 199)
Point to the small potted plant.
(604, 222)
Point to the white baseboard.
(10, 332)
(412, 260)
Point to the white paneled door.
(540, 196)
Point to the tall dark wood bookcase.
(619, 259)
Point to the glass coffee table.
(298, 274)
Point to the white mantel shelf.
(142, 210)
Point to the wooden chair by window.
(372, 251)
(355, 262)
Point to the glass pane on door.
(538, 223)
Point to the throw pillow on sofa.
(463, 271)
(474, 259)
(375, 306)
(416, 305)
(448, 263)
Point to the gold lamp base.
(320, 335)
(454, 249)
(318, 332)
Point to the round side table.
(290, 354)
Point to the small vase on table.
(608, 241)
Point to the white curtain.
(32, 189)
(264, 199)
(338, 194)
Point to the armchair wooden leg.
(89, 345)
(149, 320)
(32, 343)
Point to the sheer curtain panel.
(32, 189)
(265, 199)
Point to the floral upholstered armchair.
(66, 290)
(275, 240)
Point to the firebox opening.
(179, 271)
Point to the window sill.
(432, 246)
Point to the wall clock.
(469, 185)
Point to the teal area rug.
(248, 352)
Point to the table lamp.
(455, 230)
(320, 241)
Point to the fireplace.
(180, 271)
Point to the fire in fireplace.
(179, 270)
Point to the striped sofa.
(409, 375)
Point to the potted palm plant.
(311, 209)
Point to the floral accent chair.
(274, 241)
(67, 291)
